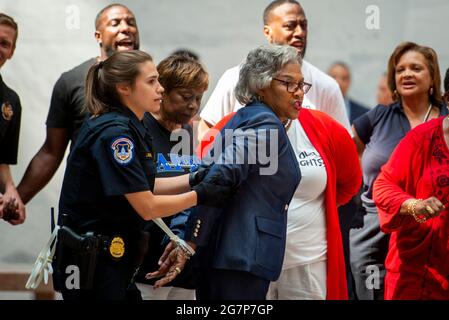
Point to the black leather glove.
(212, 193)
(198, 176)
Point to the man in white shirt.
(284, 23)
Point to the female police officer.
(109, 179)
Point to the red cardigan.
(344, 177)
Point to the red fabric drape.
(344, 175)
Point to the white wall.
(220, 31)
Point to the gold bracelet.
(411, 209)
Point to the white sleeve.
(334, 105)
(222, 100)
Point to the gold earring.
(395, 94)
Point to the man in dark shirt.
(116, 30)
(341, 73)
(11, 206)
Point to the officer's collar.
(120, 108)
(2, 89)
(135, 121)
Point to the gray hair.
(261, 65)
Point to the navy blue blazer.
(248, 233)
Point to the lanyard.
(42, 267)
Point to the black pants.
(218, 284)
(347, 213)
(111, 282)
(369, 248)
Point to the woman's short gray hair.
(261, 65)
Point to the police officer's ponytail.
(120, 68)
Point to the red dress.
(418, 259)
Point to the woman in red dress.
(412, 196)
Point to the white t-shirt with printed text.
(306, 221)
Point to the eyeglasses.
(292, 87)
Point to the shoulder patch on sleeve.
(122, 150)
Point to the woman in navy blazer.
(240, 247)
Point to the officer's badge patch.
(117, 247)
(7, 111)
(122, 148)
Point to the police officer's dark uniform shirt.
(67, 100)
(168, 165)
(11, 111)
(111, 158)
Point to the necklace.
(426, 117)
